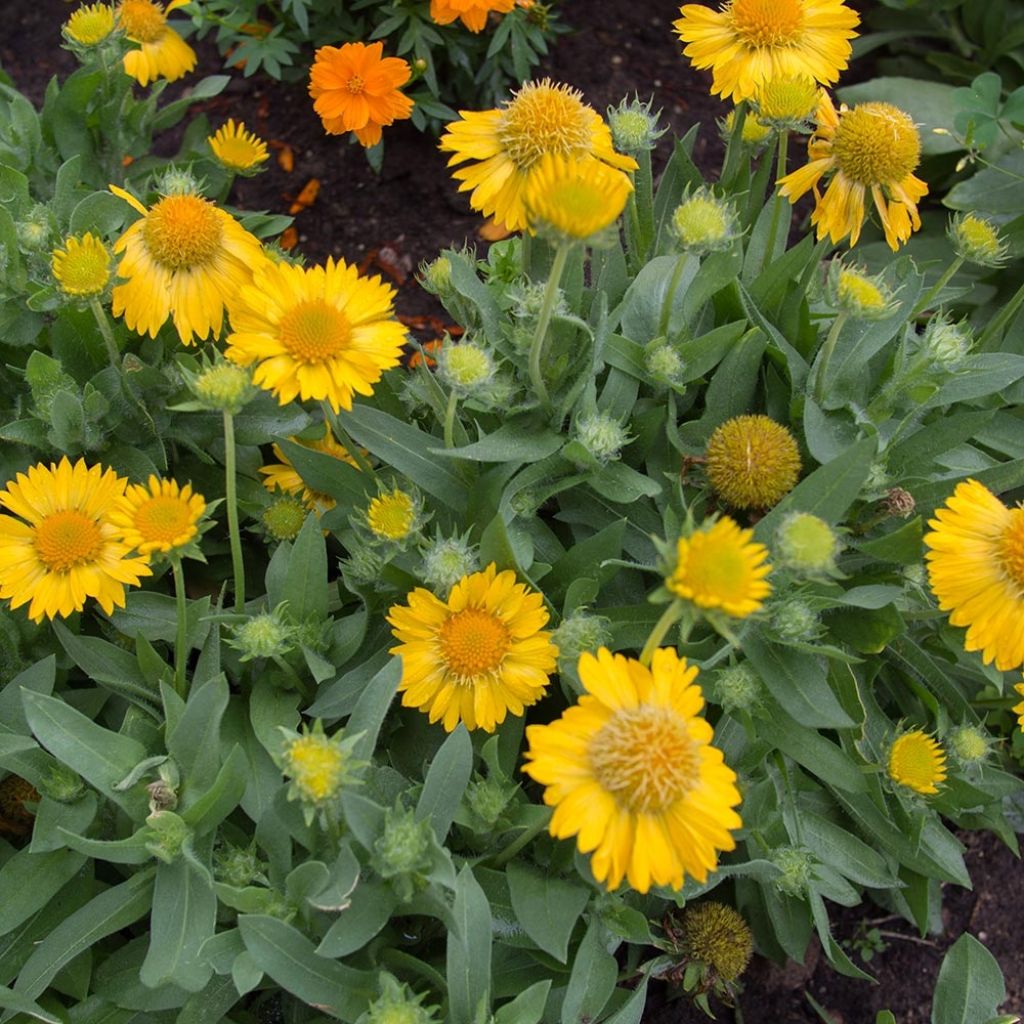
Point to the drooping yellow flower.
(721, 566)
(282, 476)
(81, 266)
(631, 772)
(746, 42)
(472, 13)
(90, 24)
(64, 549)
(237, 148)
(160, 516)
(162, 52)
(392, 515)
(322, 333)
(917, 761)
(1018, 709)
(355, 88)
(506, 143)
(184, 258)
(752, 461)
(870, 148)
(478, 655)
(976, 570)
(574, 198)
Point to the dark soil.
(406, 215)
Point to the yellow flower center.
(856, 290)
(83, 267)
(787, 99)
(66, 539)
(182, 232)
(979, 237)
(163, 520)
(314, 331)
(90, 25)
(876, 144)
(391, 515)
(316, 766)
(356, 85)
(917, 761)
(473, 642)
(1012, 547)
(544, 118)
(767, 22)
(646, 758)
(142, 20)
(700, 221)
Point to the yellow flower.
(160, 516)
(282, 476)
(162, 52)
(505, 144)
(236, 147)
(392, 516)
(64, 548)
(82, 266)
(720, 566)
(478, 655)
(322, 333)
(574, 198)
(472, 13)
(752, 461)
(977, 240)
(318, 765)
(184, 258)
(631, 772)
(787, 101)
(917, 761)
(90, 24)
(976, 570)
(860, 295)
(748, 41)
(1018, 709)
(872, 147)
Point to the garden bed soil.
(391, 223)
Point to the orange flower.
(472, 13)
(355, 89)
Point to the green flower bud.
(402, 853)
(239, 865)
(445, 561)
(795, 620)
(806, 544)
(223, 387)
(703, 223)
(398, 1005)
(969, 744)
(263, 636)
(62, 784)
(737, 688)
(602, 435)
(363, 567)
(466, 367)
(977, 240)
(436, 276)
(664, 363)
(179, 181)
(634, 128)
(169, 834)
(946, 344)
(488, 798)
(284, 518)
(858, 294)
(580, 632)
(35, 231)
(795, 865)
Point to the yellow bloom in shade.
(236, 147)
(160, 516)
(976, 570)
(81, 266)
(392, 516)
(746, 42)
(918, 762)
(322, 333)
(1018, 709)
(631, 772)
(575, 198)
(472, 13)
(506, 143)
(162, 52)
(870, 148)
(282, 476)
(478, 655)
(90, 24)
(184, 258)
(721, 566)
(64, 549)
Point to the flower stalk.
(538, 348)
(231, 493)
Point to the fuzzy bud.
(398, 1005)
(703, 223)
(445, 561)
(283, 518)
(238, 865)
(263, 636)
(754, 132)
(436, 276)
(786, 102)
(466, 367)
(717, 936)
(223, 387)
(806, 544)
(179, 181)
(737, 688)
(664, 363)
(858, 294)
(488, 798)
(402, 852)
(977, 240)
(795, 866)
(969, 744)
(168, 833)
(795, 620)
(634, 128)
(580, 632)
(946, 344)
(62, 784)
(602, 435)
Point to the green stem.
(670, 295)
(538, 348)
(106, 331)
(777, 199)
(231, 493)
(734, 147)
(524, 837)
(669, 617)
(449, 419)
(180, 652)
(1000, 320)
(936, 289)
(826, 356)
(293, 677)
(343, 436)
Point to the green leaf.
(207, 811)
(980, 375)
(17, 1003)
(632, 1010)
(372, 707)
(833, 845)
(446, 782)
(547, 907)
(811, 750)
(39, 677)
(511, 442)
(469, 952)
(210, 1006)
(325, 473)
(528, 1006)
(970, 988)
(109, 665)
(305, 585)
(194, 742)
(642, 306)
(592, 980)
(29, 880)
(372, 904)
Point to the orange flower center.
(66, 539)
(767, 22)
(473, 642)
(646, 758)
(356, 85)
(182, 232)
(876, 144)
(163, 520)
(314, 331)
(1012, 547)
(142, 21)
(544, 118)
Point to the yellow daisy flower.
(1018, 709)
(631, 772)
(504, 145)
(872, 147)
(184, 259)
(282, 476)
(162, 52)
(574, 198)
(478, 655)
(918, 762)
(90, 24)
(392, 516)
(64, 549)
(720, 566)
(237, 148)
(976, 570)
(322, 333)
(746, 42)
(160, 516)
(81, 266)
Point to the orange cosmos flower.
(355, 89)
(472, 13)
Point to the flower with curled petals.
(162, 53)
